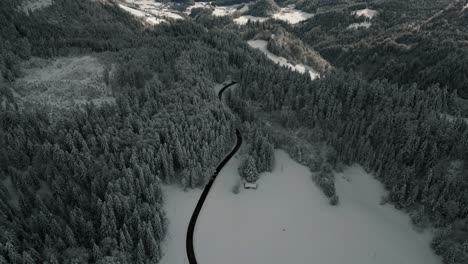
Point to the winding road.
(193, 220)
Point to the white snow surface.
(179, 206)
(262, 45)
(218, 10)
(242, 20)
(35, 4)
(288, 14)
(151, 12)
(369, 13)
(63, 83)
(289, 220)
(360, 25)
(292, 15)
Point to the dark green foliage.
(401, 134)
(248, 170)
(87, 188)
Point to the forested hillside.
(86, 188)
(406, 43)
(398, 133)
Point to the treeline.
(398, 133)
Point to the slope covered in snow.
(288, 14)
(289, 220)
(369, 13)
(35, 4)
(292, 15)
(262, 45)
(151, 12)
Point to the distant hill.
(264, 8)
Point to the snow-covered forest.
(102, 117)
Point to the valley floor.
(288, 220)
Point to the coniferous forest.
(86, 187)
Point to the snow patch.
(289, 220)
(369, 13)
(288, 14)
(262, 45)
(225, 10)
(35, 4)
(151, 12)
(63, 83)
(360, 25)
(219, 10)
(179, 206)
(292, 15)
(242, 20)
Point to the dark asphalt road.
(193, 220)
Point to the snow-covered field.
(242, 20)
(292, 15)
(35, 4)
(369, 13)
(288, 14)
(63, 83)
(151, 12)
(289, 220)
(179, 207)
(365, 24)
(219, 10)
(262, 45)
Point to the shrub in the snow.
(334, 200)
(236, 188)
(247, 170)
(325, 180)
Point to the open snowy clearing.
(219, 10)
(243, 20)
(151, 12)
(289, 220)
(292, 15)
(179, 206)
(288, 14)
(262, 45)
(35, 4)
(369, 13)
(63, 83)
(360, 25)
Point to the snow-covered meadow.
(288, 220)
(63, 83)
(151, 12)
(35, 4)
(288, 14)
(262, 45)
(368, 14)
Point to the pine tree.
(248, 171)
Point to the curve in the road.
(193, 220)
